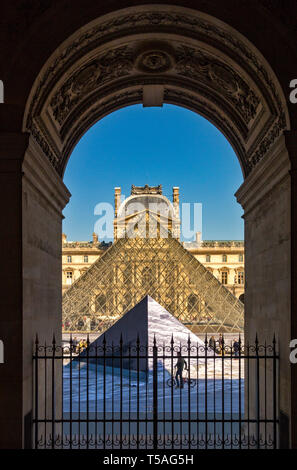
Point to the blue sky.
(171, 146)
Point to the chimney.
(175, 199)
(95, 238)
(64, 238)
(117, 203)
(117, 200)
(175, 195)
(198, 238)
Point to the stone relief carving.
(146, 189)
(113, 64)
(154, 61)
(190, 63)
(236, 92)
(197, 65)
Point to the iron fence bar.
(88, 345)
(265, 394)
(231, 395)
(121, 392)
(180, 401)
(126, 356)
(146, 393)
(129, 349)
(169, 420)
(183, 420)
(197, 394)
(70, 387)
(274, 394)
(214, 395)
(96, 394)
(79, 362)
(205, 393)
(189, 390)
(155, 395)
(36, 391)
(163, 356)
(257, 394)
(248, 398)
(138, 383)
(62, 398)
(239, 392)
(53, 394)
(223, 392)
(172, 403)
(45, 391)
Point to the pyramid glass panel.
(137, 265)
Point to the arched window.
(240, 277)
(241, 298)
(69, 277)
(224, 277)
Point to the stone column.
(12, 150)
(117, 203)
(44, 198)
(32, 199)
(291, 144)
(265, 197)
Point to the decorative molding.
(221, 82)
(195, 64)
(113, 64)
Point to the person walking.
(221, 343)
(180, 365)
(74, 344)
(236, 347)
(212, 343)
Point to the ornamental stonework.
(111, 65)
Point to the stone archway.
(154, 54)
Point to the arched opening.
(154, 54)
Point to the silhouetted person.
(236, 348)
(74, 344)
(180, 365)
(212, 343)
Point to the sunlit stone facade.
(223, 258)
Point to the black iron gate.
(171, 396)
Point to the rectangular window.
(224, 277)
(69, 259)
(86, 259)
(240, 257)
(208, 258)
(224, 258)
(240, 277)
(69, 277)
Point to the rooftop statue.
(146, 189)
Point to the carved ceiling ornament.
(109, 66)
(122, 62)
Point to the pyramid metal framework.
(136, 266)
